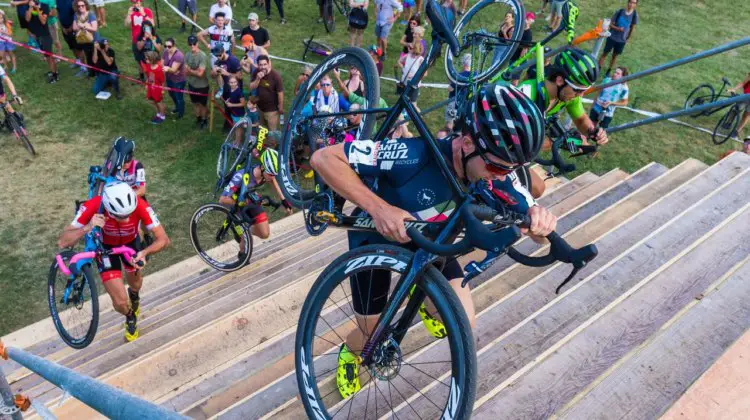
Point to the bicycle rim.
(727, 126)
(703, 94)
(296, 178)
(75, 314)
(219, 239)
(487, 56)
(418, 377)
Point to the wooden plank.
(578, 339)
(273, 398)
(605, 181)
(569, 188)
(528, 322)
(722, 391)
(655, 375)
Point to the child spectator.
(234, 104)
(7, 47)
(409, 65)
(357, 21)
(377, 54)
(154, 71)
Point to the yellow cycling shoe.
(131, 329)
(347, 375)
(433, 325)
(309, 174)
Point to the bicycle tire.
(20, 134)
(703, 94)
(296, 188)
(726, 126)
(459, 343)
(500, 54)
(317, 47)
(88, 279)
(221, 256)
(329, 20)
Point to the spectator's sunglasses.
(325, 84)
(169, 45)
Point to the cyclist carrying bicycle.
(119, 212)
(259, 174)
(129, 170)
(573, 72)
(3, 97)
(502, 131)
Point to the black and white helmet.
(119, 199)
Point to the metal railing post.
(6, 397)
(602, 36)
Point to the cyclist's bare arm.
(585, 126)
(161, 241)
(332, 165)
(11, 86)
(226, 200)
(71, 234)
(279, 194)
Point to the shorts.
(198, 99)
(118, 263)
(7, 46)
(408, 4)
(189, 5)
(54, 32)
(97, 3)
(45, 43)
(137, 54)
(557, 7)
(22, 20)
(618, 47)
(382, 31)
(70, 39)
(372, 287)
(255, 213)
(155, 94)
(236, 118)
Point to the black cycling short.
(118, 263)
(255, 213)
(376, 285)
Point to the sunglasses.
(169, 45)
(576, 87)
(497, 168)
(325, 84)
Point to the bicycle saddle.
(440, 26)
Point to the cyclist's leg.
(113, 284)
(261, 228)
(370, 291)
(743, 121)
(453, 272)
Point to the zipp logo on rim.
(452, 407)
(325, 66)
(374, 260)
(307, 380)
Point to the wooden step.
(262, 401)
(537, 342)
(721, 392)
(675, 357)
(569, 188)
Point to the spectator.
(303, 77)
(219, 35)
(408, 11)
(621, 29)
(388, 12)
(249, 61)
(463, 5)
(409, 65)
(449, 11)
(234, 104)
(357, 21)
(174, 68)
(154, 71)
(355, 84)
(99, 12)
(351, 97)
(148, 40)
(253, 115)
(450, 108)
(65, 14)
(544, 7)
(7, 47)
(279, 7)
(604, 106)
(21, 7)
(419, 39)
(104, 59)
(506, 28)
(745, 86)
(197, 66)
(223, 68)
(523, 47)
(260, 35)
(137, 14)
(53, 25)
(36, 18)
(188, 6)
(376, 53)
(221, 6)
(270, 93)
(326, 98)
(85, 27)
(556, 10)
(408, 38)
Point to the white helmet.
(119, 199)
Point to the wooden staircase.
(667, 295)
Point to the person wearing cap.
(259, 34)
(190, 6)
(197, 66)
(523, 47)
(224, 67)
(376, 53)
(249, 61)
(103, 58)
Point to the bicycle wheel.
(295, 174)
(401, 370)
(73, 303)
(221, 240)
(477, 36)
(703, 94)
(329, 20)
(727, 125)
(20, 134)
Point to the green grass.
(71, 130)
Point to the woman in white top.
(409, 65)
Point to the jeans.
(279, 5)
(177, 97)
(103, 79)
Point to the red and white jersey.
(116, 232)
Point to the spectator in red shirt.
(154, 71)
(137, 14)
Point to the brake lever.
(567, 279)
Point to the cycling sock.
(134, 295)
(130, 315)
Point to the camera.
(103, 43)
(136, 10)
